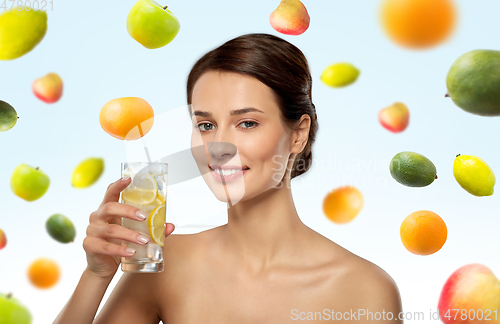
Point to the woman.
(264, 265)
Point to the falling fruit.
(339, 75)
(394, 118)
(8, 116)
(473, 82)
(48, 88)
(12, 311)
(412, 169)
(343, 204)
(60, 228)
(21, 30)
(152, 25)
(29, 183)
(128, 118)
(418, 24)
(474, 175)
(470, 287)
(44, 273)
(423, 232)
(3, 239)
(87, 172)
(290, 18)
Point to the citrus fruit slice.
(156, 224)
(143, 190)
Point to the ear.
(301, 134)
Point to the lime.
(60, 228)
(474, 175)
(412, 169)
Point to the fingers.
(114, 231)
(113, 192)
(169, 228)
(94, 245)
(113, 209)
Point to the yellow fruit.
(87, 172)
(343, 204)
(21, 30)
(339, 75)
(474, 175)
(423, 232)
(156, 224)
(143, 190)
(44, 273)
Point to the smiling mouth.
(227, 170)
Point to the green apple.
(12, 311)
(8, 116)
(28, 182)
(152, 25)
(20, 31)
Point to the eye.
(201, 127)
(249, 122)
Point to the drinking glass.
(148, 192)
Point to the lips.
(227, 178)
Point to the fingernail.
(140, 214)
(125, 178)
(143, 239)
(130, 251)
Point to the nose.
(221, 150)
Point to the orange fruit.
(128, 118)
(418, 23)
(423, 232)
(44, 273)
(343, 204)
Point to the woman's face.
(253, 139)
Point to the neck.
(264, 231)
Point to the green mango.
(20, 31)
(473, 82)
(8, 116)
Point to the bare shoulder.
(359, 283)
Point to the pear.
(20, 31)
(290, 18)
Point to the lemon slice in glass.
(143, 190)
(156, 224)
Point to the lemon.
(156, 224)
(143, 190)
(339, 75)
(474, 175)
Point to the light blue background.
(87, 44)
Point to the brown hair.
(278, 64)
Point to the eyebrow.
(204, 113)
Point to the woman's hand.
(105, 233)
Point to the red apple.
(394, 118)
(48, 88)
(290, 18)
(469, 295)
(3, 239)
